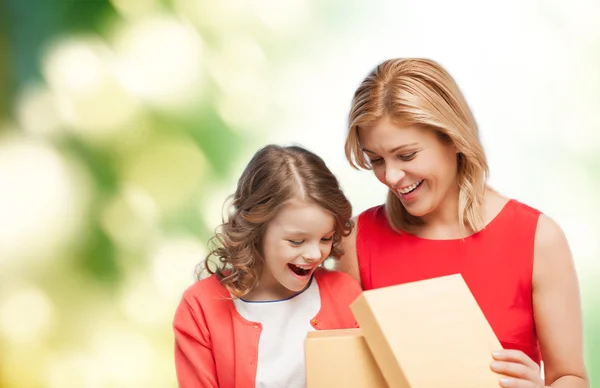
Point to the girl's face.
(295, 242)
(416, 165)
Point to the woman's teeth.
(299, 270)
(410, 188)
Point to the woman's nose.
(393, 175)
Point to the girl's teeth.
(299, 270)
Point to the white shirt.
(285, 324)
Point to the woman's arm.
(557, 308)
(557, 313)
(194, 360)
(348, 262)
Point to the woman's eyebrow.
(393, 149)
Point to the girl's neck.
(269, 289)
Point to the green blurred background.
(124, 125)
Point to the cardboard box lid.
(430, 333)
(340, 358)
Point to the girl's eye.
(294, 242)
(407, 157)
(328, 239)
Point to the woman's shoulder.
(373, 213)
(500, 209)
(372, 218)
(524, 209)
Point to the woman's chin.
(418, 210)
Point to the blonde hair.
(420, 92)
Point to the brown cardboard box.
(430, 333)
(340, 359)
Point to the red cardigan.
(216, 347)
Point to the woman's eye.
(406, 157)
(376, 161)
(328, 239)
(295, 242)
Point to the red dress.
(496, 263)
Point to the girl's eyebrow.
(300, 233)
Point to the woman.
(410, 124)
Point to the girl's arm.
(194, 360)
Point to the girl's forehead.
(303, 216)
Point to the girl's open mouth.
(299, 270)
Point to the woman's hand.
(518, 370)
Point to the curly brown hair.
(274, 176)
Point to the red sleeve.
(194, 360)
(347, 290)
(354, 291)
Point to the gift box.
(429, 333)
(340, 359)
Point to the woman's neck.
(443, 223)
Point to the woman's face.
(416, 165)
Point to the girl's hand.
(518, 370)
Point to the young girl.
(245, 325)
